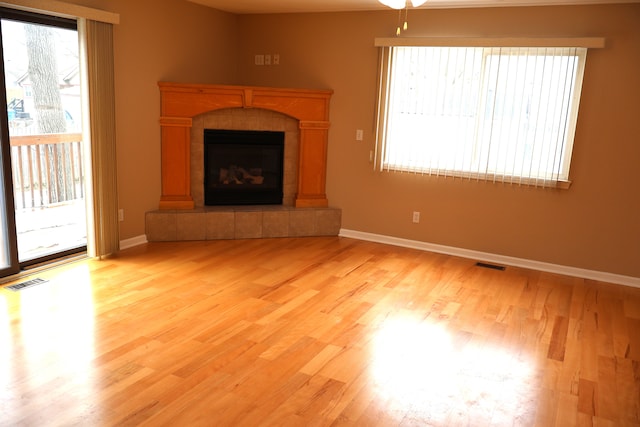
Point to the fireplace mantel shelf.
(181, 102)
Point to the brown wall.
(594, 225)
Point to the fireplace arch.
(180, 103)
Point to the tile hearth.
(241, 222)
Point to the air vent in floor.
(491, 266)
(23, 285)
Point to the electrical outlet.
(120, 215)
(276, 59)
(416, 217)
(267, 59)
(359, 135)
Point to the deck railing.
(47, 169)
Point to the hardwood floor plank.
(607, 390)
(626, 383)
(315, 331)
(588, 397)
(633, 349)
(558, 341)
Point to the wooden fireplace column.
(179, 103)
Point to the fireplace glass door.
(243, 167)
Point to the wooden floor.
(315, 331)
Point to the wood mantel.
(181, 102)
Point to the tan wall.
(594, 225)
(168, 40)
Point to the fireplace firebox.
(243, 167)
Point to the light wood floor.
(315, 331)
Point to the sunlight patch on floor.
(56, 327)
(418, 369)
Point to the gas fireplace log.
(236, 175)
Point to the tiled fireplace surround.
(243, 222)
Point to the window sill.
(494, 178)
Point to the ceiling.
(295, 6)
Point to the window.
(503, 114)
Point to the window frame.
(491, 45)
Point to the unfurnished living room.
(320, 212)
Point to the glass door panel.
(42, 81)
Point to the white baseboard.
(498, 259)
(134, 241)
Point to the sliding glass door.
(44, 196)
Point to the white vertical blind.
(497, 113)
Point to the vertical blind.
(98, 38)
(503, 114)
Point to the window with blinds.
(504, 114)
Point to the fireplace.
(187, 110)
(243, 167)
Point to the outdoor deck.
(49, 229)
(48, 185)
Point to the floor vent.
(491, 266)
(23, 285)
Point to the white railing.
(47, 169)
